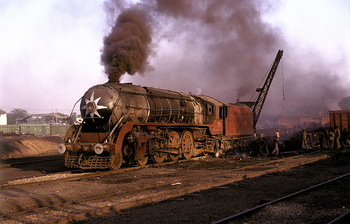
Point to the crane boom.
(264, 90)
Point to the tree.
(344, 103)
(2, 111)
(19, 113)
(16, 114)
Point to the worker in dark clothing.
(321, 139)
(344, 136)
(326, 138)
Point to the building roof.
(56, 115)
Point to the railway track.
(29, 160)
(216, 203)
(31, 166)
(166, 184)
(78, 174)
(244, 215)
(71, 175)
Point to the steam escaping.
(126, 47)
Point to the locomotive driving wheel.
(187, 146)
(116, 161)
(173, 157)
(174, 142)
(143, 161)
(155, 156)
(158, 157)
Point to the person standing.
(304, 140)
(336, 138)
(331, 138)
(326, 137)
(321, 139)
(344, 136)
(276, 140)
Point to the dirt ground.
(204, 206)
(26, 146)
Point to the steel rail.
(340, 218)
(258, 207)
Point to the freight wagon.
(340, 118)
(33, 129)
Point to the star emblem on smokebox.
(91, 106)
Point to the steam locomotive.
(126, 123)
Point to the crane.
(264, 90)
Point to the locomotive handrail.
(110, 118)
(92, 117)
(77, 133)
(141, 108)
(109, 136)
(155, 96)
(71, 113)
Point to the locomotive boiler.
(125, 123)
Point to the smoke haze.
(225, 48)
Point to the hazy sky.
(50, 54)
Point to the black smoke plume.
(126, 47)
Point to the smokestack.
(126, 47)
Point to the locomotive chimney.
(110, 80)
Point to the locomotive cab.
(211, 113)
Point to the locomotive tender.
(125, 123)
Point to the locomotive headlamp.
(61, 148)
(91, 107)
(98, 148)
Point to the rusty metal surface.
(239, 121)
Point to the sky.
(50, 50)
